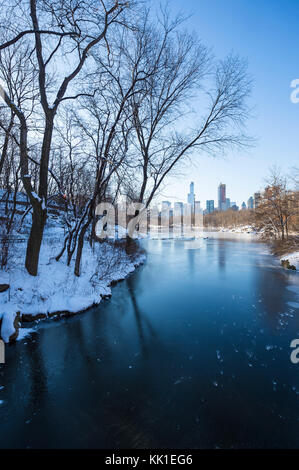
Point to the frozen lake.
(192, 351)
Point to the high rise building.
(244, 207)
(222, 197)
(227, 204)
(250, 203)
(197, 208)
(166, 205)
(191, 196)
(210, 206)
(187, 210)
(178, 209)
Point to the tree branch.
(9, 43)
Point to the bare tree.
(106, 129)
(179, 67)
(278, 205)
(183, 68)
(78, 26)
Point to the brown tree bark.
(39, 214)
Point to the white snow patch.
(35, 196)
(241, 229)
(24, 332)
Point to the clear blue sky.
(266, 32)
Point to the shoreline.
(56, 292)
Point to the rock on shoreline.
(291, 261)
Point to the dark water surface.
(192, 351)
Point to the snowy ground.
(56, 289)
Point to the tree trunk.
(39, 215)
(35, 240)
(130, 246)
(71, 246)
(63, 249)
(80, 246)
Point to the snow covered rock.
(291, 260)
(10, 325)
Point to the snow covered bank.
(292, 258)
(240, 229)
(56, 289)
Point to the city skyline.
(222, 203)
(211, 194)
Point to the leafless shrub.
(6, 243)
(110, 259)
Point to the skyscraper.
(222, 197)
(178, 209)
(210, 206)
(191, 196)
(197, 208)
(250, 203)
